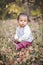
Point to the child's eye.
(24, 20)
(20, 20)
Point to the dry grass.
(8, 54)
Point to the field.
(32, 55)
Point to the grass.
(30, 56)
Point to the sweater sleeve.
(16, 34)
(26, 35)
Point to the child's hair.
(24, 14)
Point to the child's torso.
(20, 32)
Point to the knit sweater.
(23, 34)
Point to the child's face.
(23, 20)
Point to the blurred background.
(9, 10)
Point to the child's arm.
(16, 34)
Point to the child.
(23, 37)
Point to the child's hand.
(16, 41)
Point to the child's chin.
(22, 26)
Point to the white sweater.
(23, 34)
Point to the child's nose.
(22, 21)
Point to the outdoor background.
(9, 10)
